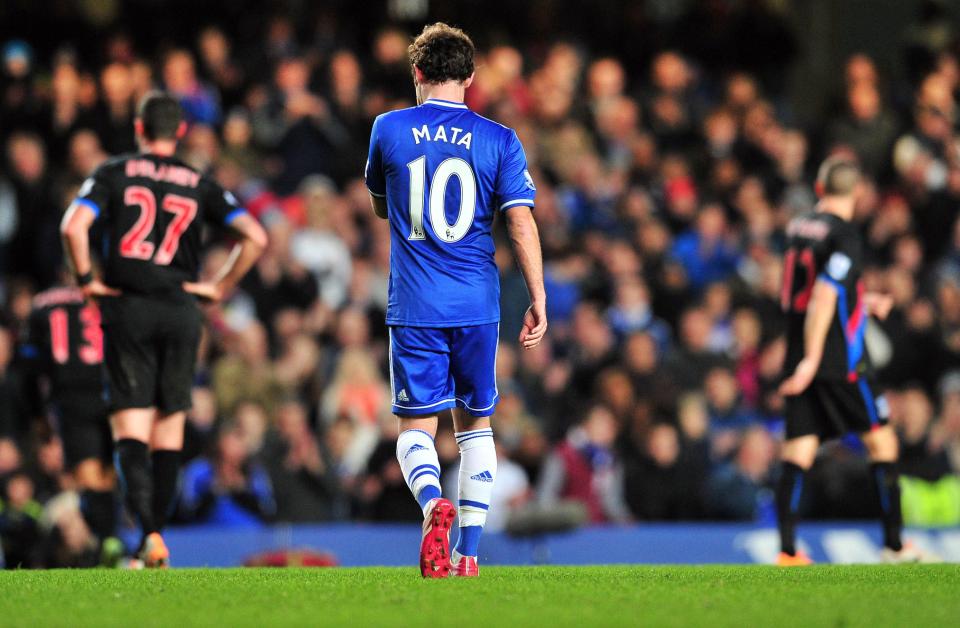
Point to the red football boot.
(155, 554)
(464, 566)
(435, 546)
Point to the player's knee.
(426, 424)
(882, 444)
(465, 422)
(804, 462)
(800, 451)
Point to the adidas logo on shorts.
(402, 395)
(482, 477)
(416, 447)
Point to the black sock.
(99, 511)
(133, 466)
(166, 470)
(789, 489)
(886, 479)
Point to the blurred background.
(670, 140)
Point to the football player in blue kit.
(440, 174)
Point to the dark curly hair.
(442, 53)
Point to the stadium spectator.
(34, 252)
(20, 530)
(742, 488)
(113, 117)
(663, 482)
(585, 468)
(305, 486)
(200, 103)
(705, 251)
(230, 489)
(866, 127)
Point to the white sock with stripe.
(478, 471)
(421, 467)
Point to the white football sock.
(418, 461)
(478, 470)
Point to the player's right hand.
(97, 288)
(534, 325)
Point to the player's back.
(65, 342)
(823, 246)
(153, 208)
(446, 172)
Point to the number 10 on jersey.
(453, 167)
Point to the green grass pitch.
(548, 597)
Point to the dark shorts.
(150, 351)
(833, 408)
(84, 428)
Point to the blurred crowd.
(663, 190)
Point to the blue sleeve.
(221, 207)
(514, 184)
(94, 193)
(376, 183)
(833, 283)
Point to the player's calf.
(165, 466)
(421, 470)
(133, 465)
(96, 485)
(418, 460)
(882, 446)
(478, 470)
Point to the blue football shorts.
(434, 369)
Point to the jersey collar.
(445, 103)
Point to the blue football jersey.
(445, 172)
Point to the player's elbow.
(71, 226)
(257, 236)
(253, 234)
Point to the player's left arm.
(516, 194)
(222, 208)
(253, 242)
(525, 237)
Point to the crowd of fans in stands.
(663, 191)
